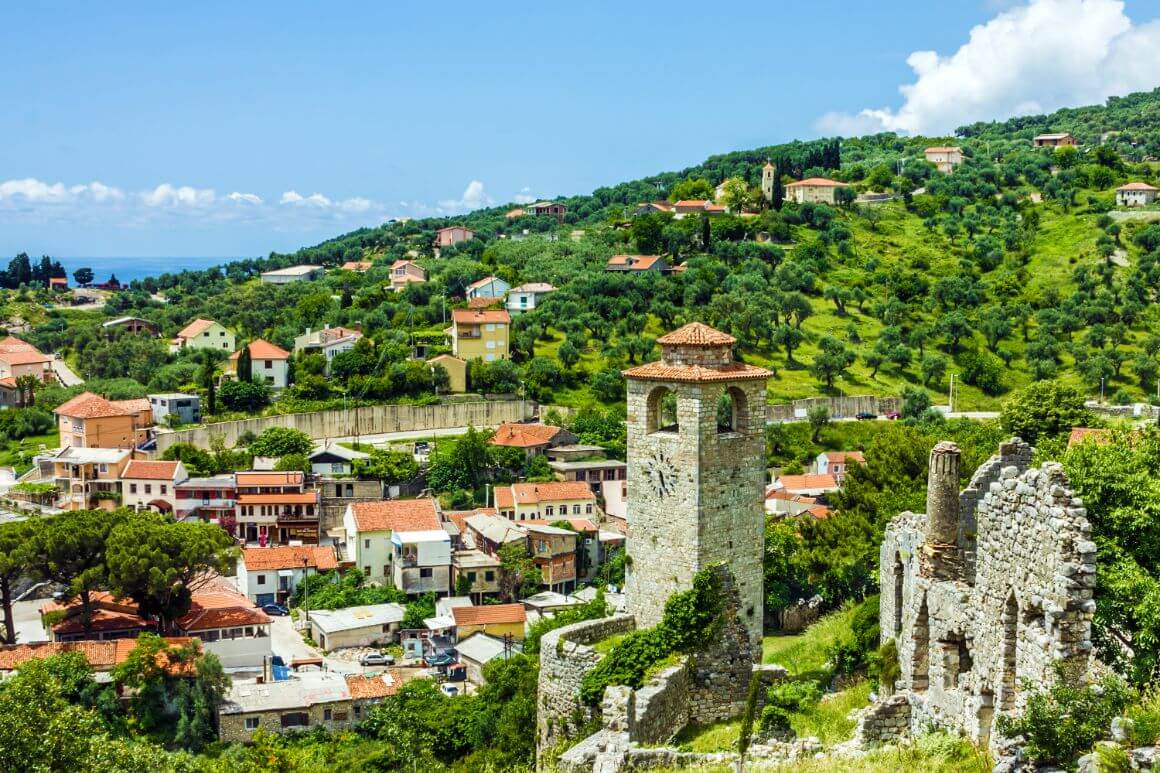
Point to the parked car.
(376, 659)
(893, 415)
(449, 690)
(275, 609)
(865, 416)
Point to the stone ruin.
(988, 592)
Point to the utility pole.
(1102, 389)
(951, 396)
(306, 585)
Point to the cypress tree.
(778, 190)
(245, 365)
(706, 233)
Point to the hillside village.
(801, 454)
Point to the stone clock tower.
(696, 472)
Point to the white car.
(449, 689)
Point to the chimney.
(941, 555)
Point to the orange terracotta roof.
(8, 381)
(524, 435)
(13, 344)
(23, 357)
(102, 655)
(658, 371)
(534, 493)
(141, 470)
(579, 524)
(88, 405)
(221, 610)
(481, 282)
(135, 405)
(258, 478)
(483, 302)
(263, 350)
(635, 262)
(1138, 187)
(454, 228)
(364, 687)
(397, 515)
(696, 334)
(819, 511)
(489, 614)
(477, 317)
(290, 557)
(950, 149)
(291, 498)
(1095, 434)
(195, 328)
(807, 481)
(356, 265)
(817, 182)
(700, 203)
(788, 497)
(103, 621)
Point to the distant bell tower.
(767, 173)
(696, 472)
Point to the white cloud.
(524, 196)
(474, 197)
(245, 198)
(166, 195)
(34, 191)
(355, 205)
(1033, 58)
(313, 200)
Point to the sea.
(128, 269)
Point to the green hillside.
(1015, 267)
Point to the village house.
(1053, 140)
(183, 407)
(204, 334)
(526, 296)
(944, 158)
(151, 485)
(456, 371)
(103, 655)
(270, 575)
(479, 649)
(687, 207)
(488, 287)
(810, 484)
(594, 472)
(18, 358)
(58, 283)
(781, 502)
(401, 541)
(498, 620)
(1136, 195)
(480, 569)
(283, 276)
(328, 341)
(553, 551)
(358, 266)
(533, 439)
(230, 626)
(364, 626)
(637, 263)
(524, 501)
(488, 532)
(87, 478)
(131, 326)
(330, 458)
(615, 496)
(269, 364)
(212, 500)
(480, 335)
(549, 208)
(837, 463)
(275, 508)
(816, 190)
(405, 272)
(90, 421)
(652, 208)
(445, 237)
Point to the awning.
(285, 572)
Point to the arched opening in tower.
(731, 410)
(662, 411)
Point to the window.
(575, 509)
(386, 570)
(253, 722)
(327, 714)
(296, 719)
(148, 488)
(102, 468)
(471, 577)
(269, 364)
(425, 572)
(367, 544)
(357, 712)
(489, 576)
(261, 579)
(588, 509)
(548, 511)
(132, 488)
(367, 571)
(164, 489)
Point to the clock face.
(662, 474)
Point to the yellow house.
(480, 334)
(89, 478)
(497, 620)
(90, 421)
(204, 334)
(456, 371)
(558, 499)
(816, 190)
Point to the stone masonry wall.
(967, 644)
(661, 707)
(565, 658)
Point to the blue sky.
(236, 128)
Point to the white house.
(526, 296)
(837, 463)
(269, 364)
(229, 626)
(333, 459)
(1136, 195)
(151, 485)
(479, 649)
(401, 541)
(328, 341)
(356, 626)
(488, 287)
(270, 575)
(204, 334)
(283, 276)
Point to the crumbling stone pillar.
(941, 557)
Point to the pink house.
(445, 237)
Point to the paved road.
(27, 617)
(66, 374)
(288, 643)
(387, 438)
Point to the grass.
(604, 646)
(828, 719)
(717, 737)
(934, 753)
(18, 453)
(806, 653)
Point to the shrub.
(1047, 409)
(884, 665)
(784, 700)
(281, 441)
(1063, 722)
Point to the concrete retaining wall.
(367, 420)
(839, 407)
